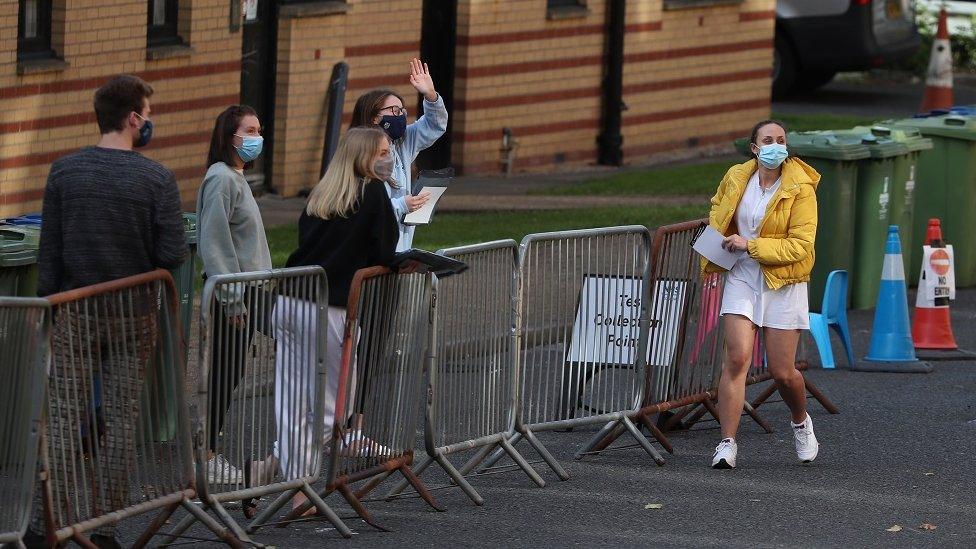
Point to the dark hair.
(369, 104)
(761, 124)
(222, 139)
(117, 98)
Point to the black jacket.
(343, 245)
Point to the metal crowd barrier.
(260, 404)
(583, 316)
(380, 385)
(100, 464)
(25, 326)
(473, 379)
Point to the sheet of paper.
(422, 216)
(709, 244)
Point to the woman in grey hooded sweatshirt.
(231, 239)
(384, 108)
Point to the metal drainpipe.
(610, 139)
(333, 124)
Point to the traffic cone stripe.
(893, 269)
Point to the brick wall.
(46, 115)
(376, 38)
(691, 77)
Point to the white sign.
(250, 10)
(607, 325)
(938, 277)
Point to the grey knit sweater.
(108, 214)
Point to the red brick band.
(37, 159)
(756, 15)
(92, 83)
(89, 117)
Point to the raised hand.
(420, 79)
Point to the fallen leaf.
(894, 528)
(927, 526)
(654, 506)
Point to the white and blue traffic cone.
(892, 349)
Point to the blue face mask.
(251, 146)
(772, 155)
(145, 133)
(394, 126)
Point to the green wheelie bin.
(873, 212)
(905, 178)
(837, 159)
(946, 189)
(18, 260)
(160, 392)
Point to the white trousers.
(296, 329)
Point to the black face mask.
(394, 126)
(145, 133)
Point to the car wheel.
(784, 68)
(809, 81)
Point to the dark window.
(34, 29)
(163, 27)
(564, 3)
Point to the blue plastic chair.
(833, 313)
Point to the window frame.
(167, 34)
(563, 4)
(39, 46)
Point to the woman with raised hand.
(385, 108)
(767, 210)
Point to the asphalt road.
(901, 452)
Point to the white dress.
(746, 292)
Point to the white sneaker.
(355, 444)
(725, 452)
(807, 446)
(220, 471)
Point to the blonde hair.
(351, 167)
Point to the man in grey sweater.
(109, 213)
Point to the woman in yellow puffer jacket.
(767, 210)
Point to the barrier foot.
(459, 479)
(765, 394)
(674, 422)
(359, 507)
(476, 459)
(498, 453)
(239, 532)
(270, 510)
(761, 421)
(821, 398)
(323, 508)
(155, 525)
(642, 440)
(83, 541)
(182, 526)
(604, 438)
(222, 532)
(421, 488)
(402, 485)
(696, 416)
(523, 464)
(372, 484)
(542, 451)
(709, 405)
(656, 433)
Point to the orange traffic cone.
(932, 327)
(938, 81)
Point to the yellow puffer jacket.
(784, 249)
